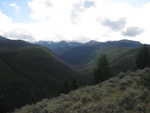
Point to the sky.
(75, 20)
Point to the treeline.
(70, 85)
(103, 70)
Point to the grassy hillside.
(126, 93)
(29, 73)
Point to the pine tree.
(102, 71)
(66, 87)
(74, 85)
(143, 58)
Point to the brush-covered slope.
(29, 73)
(125, 93)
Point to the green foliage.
(120, 60)
(106, 97)
(143, 57)
(146, 80)
(66, 88)
(70, 85)
(74, 84)
(102, 71)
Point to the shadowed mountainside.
(29, 73)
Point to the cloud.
(40, 9)
(115, 25)
(79, 7)
(15, 6)
(80, 20)
(19, 35)
(132, 31)
(5, 22)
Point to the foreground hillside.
(126, 93)
(29, 73)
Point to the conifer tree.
(143, 58)
(74, 85)
(66, 87)
(102, 71)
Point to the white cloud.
(5, 23)
(14, 5)
(81, 20)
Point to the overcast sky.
(79, 20)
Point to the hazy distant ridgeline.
(75, 53)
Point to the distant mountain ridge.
(59, 47)
(64, 44)
(76, 54)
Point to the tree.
(143, 57)
(102, 71)
(74, 85)
(66, 86)
(70, 85)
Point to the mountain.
(120, 59)
(29, 73)
(59, 47)
(83, 58)
(82, 55)
(126, 93)
(79, 54)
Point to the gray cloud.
(132, 31)
(48, 3)
(115, 25)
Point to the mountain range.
(83, 56)
(30, 72)
(75, 53)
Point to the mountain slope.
(125, 93)
(85, 53)
(29, 73)
(81, 54)
(120, 59)
(59, 47)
